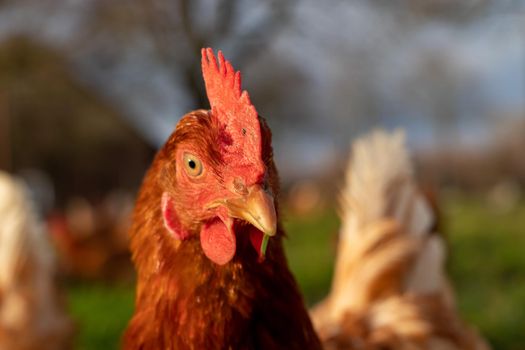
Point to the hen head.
(218, 179)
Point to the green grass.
(310, 246)
(487, 266)
(101, 313)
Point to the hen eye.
(192, 164)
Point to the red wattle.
(218, 242)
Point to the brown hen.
(207, 276)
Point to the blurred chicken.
(91, 240)
(389, 289)
(31, 315)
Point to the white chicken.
(389, 289)
(31, 314)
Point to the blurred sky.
(450, 73)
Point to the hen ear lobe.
(170, 218)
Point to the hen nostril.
(239, 186)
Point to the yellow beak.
(257, 207)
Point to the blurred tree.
(435, 89)
(320, 71)
(178, 29)
(451, 10)
(61, 128)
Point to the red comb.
(231, 106)
(223, 85)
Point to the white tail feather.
(389, 273)
(379, 184)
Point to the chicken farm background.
(90, 89)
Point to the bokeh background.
(89, 89)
